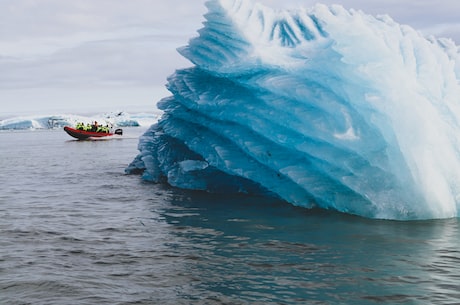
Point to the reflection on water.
(256, 250)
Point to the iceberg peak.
(322, 106)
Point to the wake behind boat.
(81, 134)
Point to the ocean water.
(75, 229)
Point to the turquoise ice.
(321, 107)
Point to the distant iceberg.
(321, 107)
(117, 119)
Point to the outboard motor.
(119, 131)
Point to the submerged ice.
(321, 107)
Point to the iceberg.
(117, 119)
(321, 107)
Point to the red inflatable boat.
(84, 135)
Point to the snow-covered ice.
(116, 119)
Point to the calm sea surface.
(74, 229)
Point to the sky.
(61, 56)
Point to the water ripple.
(66, 239)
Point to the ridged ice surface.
(320, 107)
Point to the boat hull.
(85, 135)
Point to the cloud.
(85, 44)
(90, 41)
(90, 53)
(130, 61)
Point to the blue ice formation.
(321, 107)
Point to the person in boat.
(95, 126)
(80, 126)
(105, 129)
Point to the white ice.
(115, 119)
